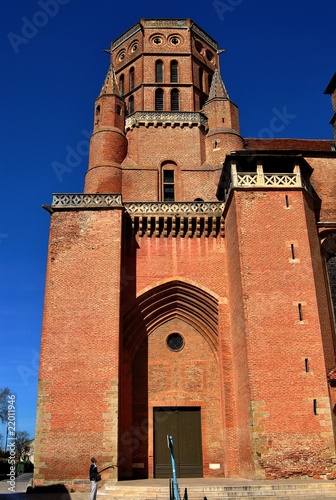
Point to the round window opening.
(175, 342)
(157, 40)
(174, 40)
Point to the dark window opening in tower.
(199, 47)
(174, 72)
(159, 71)
(209, 82)
(200, 76)
(331, 267)
(97, 117)
(131, 81)
(174, 100)
(159, 105)
(168, 187)
(209, 55)
(131, 105)
(122, 84)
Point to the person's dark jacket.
(93, 472)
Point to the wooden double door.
(184, 425)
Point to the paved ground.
(21, 484)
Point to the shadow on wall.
(52, 492)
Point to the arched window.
(159, 71)
(131, 105)
(174, 72)
(174, 100)
(122, 84)
(168, 170)
(131, 81)
(159, 104)
(200, 77)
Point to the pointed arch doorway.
(168, 389)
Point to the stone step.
(274, 491)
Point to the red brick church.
(190, 287)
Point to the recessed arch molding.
(175, 299)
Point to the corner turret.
(108, 145)
(331, 89)
(223, 121)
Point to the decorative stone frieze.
(171, 225)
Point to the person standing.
(93, 478)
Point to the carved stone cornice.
(185, 219)
(199, 32)
(165, 118)
(158, 219)
(165, 23)
(125, 36)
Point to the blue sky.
(280, 57)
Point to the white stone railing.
(164, 118)
(270, 180)
(261, 179)
(174, 208)
(80, 200)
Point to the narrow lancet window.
(131, 75)
(159, 71)
(131, 105)
(174, 72)
(175, 100)
(159, 104)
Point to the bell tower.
(185, 291)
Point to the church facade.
(190, 288)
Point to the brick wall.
(287, 434)
(77, 413)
